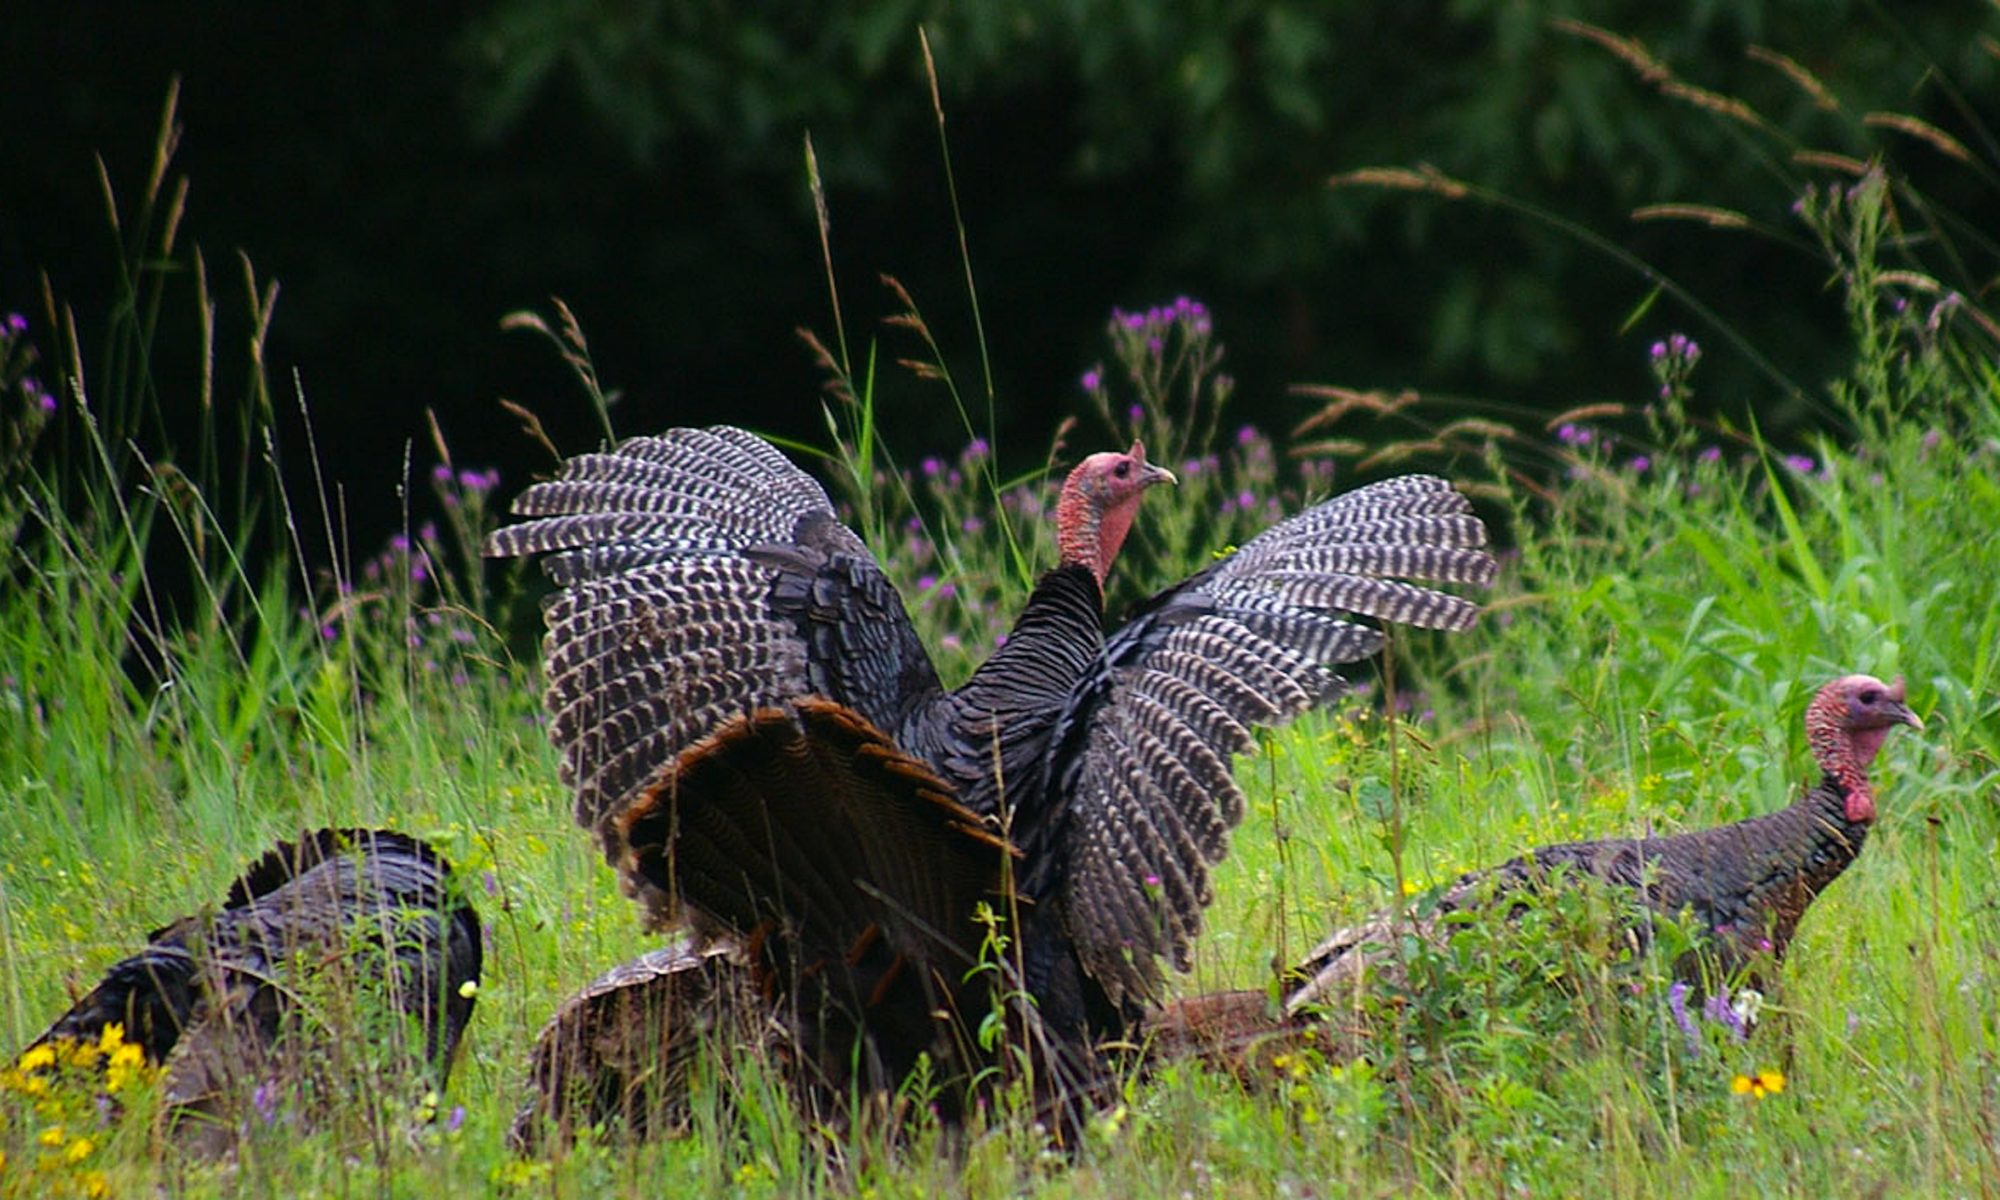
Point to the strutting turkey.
(762, 746)
(214, 998)
(1745, 884)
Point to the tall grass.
(1678, 590)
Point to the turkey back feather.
(622, 1053)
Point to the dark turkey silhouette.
(619, 1054)
(214, 997)
(758, 738)
(1746, 884)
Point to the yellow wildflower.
(38, 1057)
(1758, 1085)
(52, 1136)
(112, 1038)
(95, 1185)
(79, 1150)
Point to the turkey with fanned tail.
(765, 752)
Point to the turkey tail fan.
(622, 1054)
(847, 868)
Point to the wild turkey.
(215, 998)
(763, 748)
(1746, 884)
(620, 1054)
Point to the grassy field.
(1674, 591)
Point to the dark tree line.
(410, 173)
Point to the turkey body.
(764, 750)
(620, 1054)
(340, 915)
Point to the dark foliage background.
(410, 173)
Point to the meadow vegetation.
(184, 678)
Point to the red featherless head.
(1846, 725)
(1099, 500)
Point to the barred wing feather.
(704, 577)
(1144, 746)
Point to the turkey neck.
(990, 736)
(1781, 862)
(1087, 535)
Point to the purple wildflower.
(265, 1100)
(926, 582)
(455, 1119)
(1093, 379)
(930, 467)
(1191, 467)
(1135, 414)
(1640, 463)
(1659, 351)
(1709, 454)
(1246, 435)
(1931, 439)
(441, 473)
(1677, 1005)
(972, 525)
(1799, 464)
(1718, 1009)
(975, 450)
(1245, 500)
(16, 323)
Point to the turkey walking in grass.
(344, 964)
(1743, 885)
(764, 750)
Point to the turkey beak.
(1151, 475)
(1901, 711)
